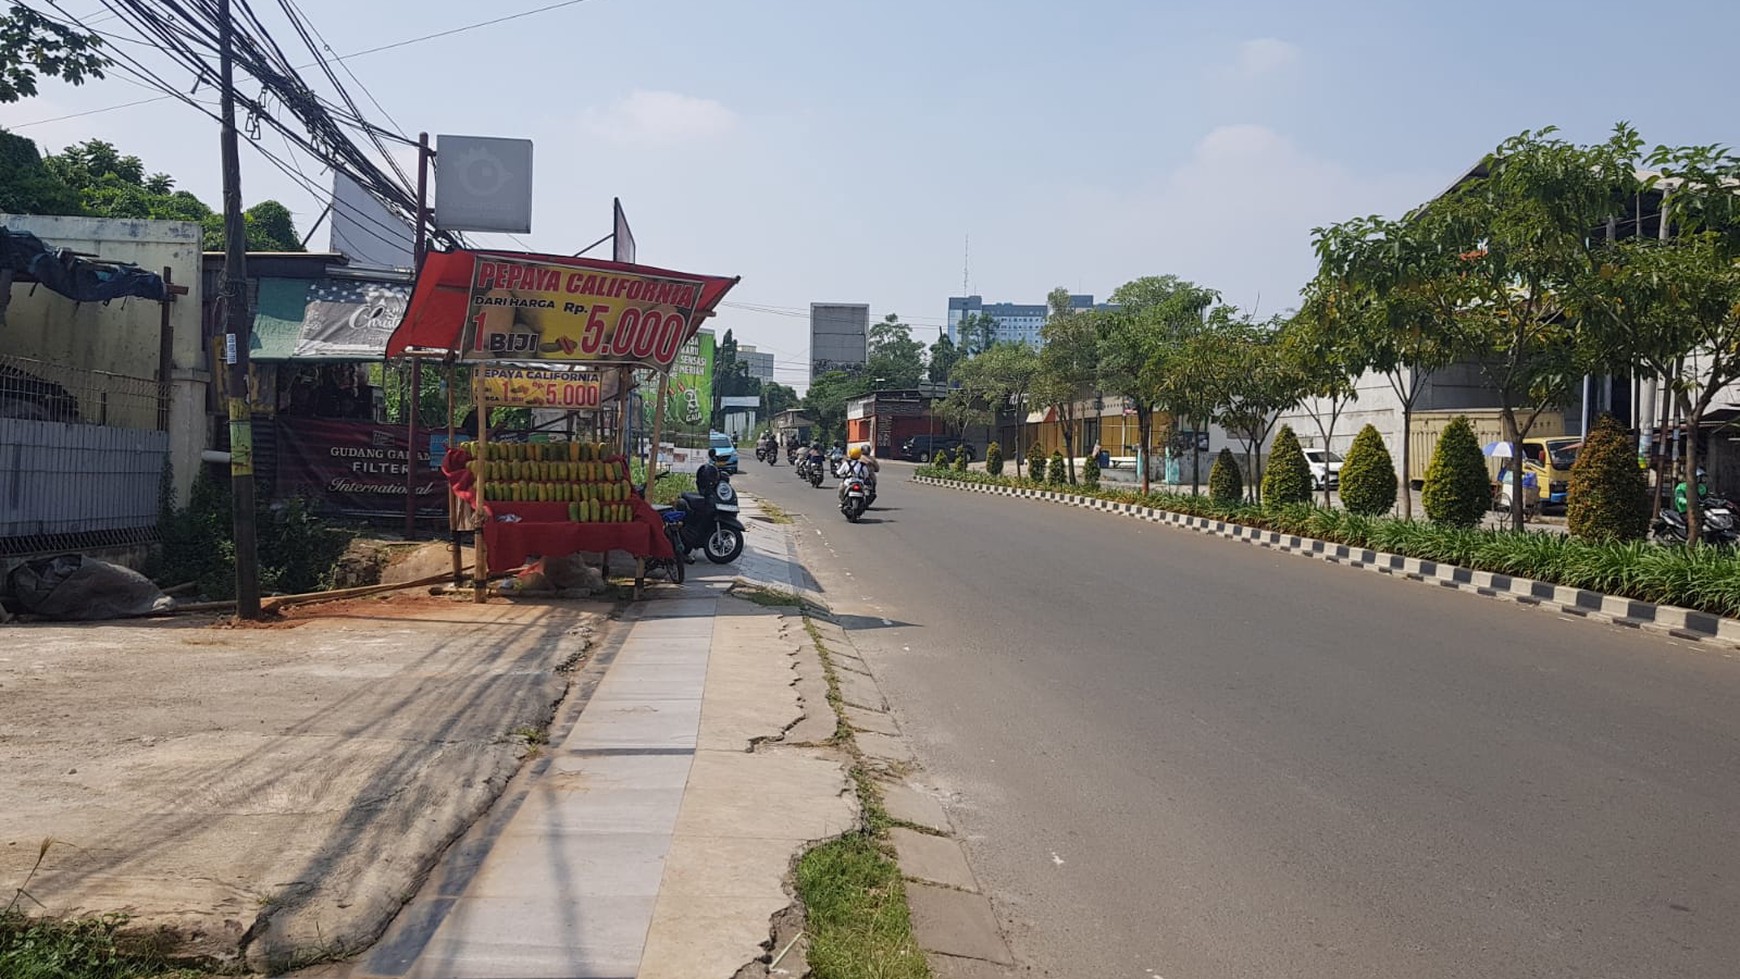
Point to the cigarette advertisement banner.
(689, 392)
(531, 388)
(522, 310)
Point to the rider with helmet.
(1680, 491)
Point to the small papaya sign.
(525, 387)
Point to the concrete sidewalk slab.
(956, 923)
(936, 859)
(909, 805)
(873, 721)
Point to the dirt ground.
(268, 794)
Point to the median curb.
(1672, 620)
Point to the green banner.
(689, 394)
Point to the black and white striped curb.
(1681, 623)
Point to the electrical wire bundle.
(188, 32)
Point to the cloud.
(1236, 214)
(650, 118)
(1264, 56)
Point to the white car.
(1325, 468)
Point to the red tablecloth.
(544, 530)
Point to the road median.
(1689, 594)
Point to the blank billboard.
(839, 336)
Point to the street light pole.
(237, 333)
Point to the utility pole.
(414, 403)
(238, 331)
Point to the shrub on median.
(994, 459)
(1090, 472)
(1035, 462)
(1288, 477)
(1226, 484)
(1705, 578)
(1457, 491)
(1608, 499)
(1368, 477)
(962, 457)
(1058, 474)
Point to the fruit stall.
(561, 332)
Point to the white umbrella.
(1497, 450)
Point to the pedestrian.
(1102, 458)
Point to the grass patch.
(771, 597)
(773, 512)
(81, 948)
(859, 925)
(533, 736)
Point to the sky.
(883, 152)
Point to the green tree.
(943, 357)
(270, 226)
(1500, 258)
(1287, 478)
(777, 397)
(1670, 308)
(1226, 485)
(1368, 477)
(1140, 342)
(1068, 366)
(27, 186)
(978, 332)
(1252, 379)
(995, 380)
(1376, 302)
(826, 399)
(1608, 499)
(32, 46)
(895, 361)
(111, 184)
(1325, 365)
(1457, 491)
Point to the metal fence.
(82, 457)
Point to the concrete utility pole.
(237, 332)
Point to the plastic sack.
(73, 587)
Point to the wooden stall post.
(658, 427)
(452, 497)
(480, 572)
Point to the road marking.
(1056, 859)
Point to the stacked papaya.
(583, 475)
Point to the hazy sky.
(838, 151)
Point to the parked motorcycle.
(1719, 527)
(854, 498)
(712, 525)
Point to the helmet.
(712, 455)
(1702, 473)
(855, 452)
(865, 449)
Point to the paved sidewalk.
(654, 837)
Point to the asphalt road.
(1183, 757)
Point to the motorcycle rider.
(765, 448)
(853, 468)
(867, 459)
(1680, 491)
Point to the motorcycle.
(854, 498)
(762, 452)
(1719, 524)
(791, 455)
(814, 474)
(711, 525)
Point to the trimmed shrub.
(1058, 474)
(1458, 492)
(1226, 483)
(1090, 473)
(940, 459)
(962, 456)
(1288, 478)
(1035, 463)
(1608, 500)
(994, 459)
(1368, 476)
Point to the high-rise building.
(839, 336)
(760, 364)
(1015, 322)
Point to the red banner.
(354, 468)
